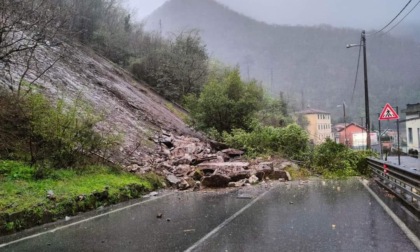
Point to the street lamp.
(345, 126)
(363, 44)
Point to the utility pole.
(345, 125)
(366, 91)
(271, 78)
(363, 44)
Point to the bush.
(13, 170)
(291, 141)
(333, 159)
(58, 136)
(226, 103)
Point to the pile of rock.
(188, 162)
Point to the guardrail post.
(404, 184)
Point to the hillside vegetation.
(297, 60)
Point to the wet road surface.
(314, 216)
(408, 163)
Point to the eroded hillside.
(130, 108)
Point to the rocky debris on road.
(190, 163)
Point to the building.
(319, 125)
(353, 135)
(412, 124)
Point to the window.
(418, 137)
(410, 135)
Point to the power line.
(403, 18)
(390, 22)
(357, 69)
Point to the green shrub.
(291, 141)
(50, 136)
(336, 160)
(331, 156)
(14, 170)
(155, 180)
(226, 102)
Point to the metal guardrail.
(404, 184)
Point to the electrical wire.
(403, 18)
(390, 22)
(357, 70)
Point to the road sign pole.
(398, 139)
(380, 140)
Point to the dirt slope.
(130, 108)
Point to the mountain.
(409, 31)
(299, 61)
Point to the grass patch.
(296, 174)
(340, 174)
(23, 197)
(181, 115)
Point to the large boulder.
(288, 164)
(253, 180)
(179, 152)
(182, 170)
(217, 146)
(172, 179)
(240, 175)
(227, 168)
(264, 170)
(237, 183)
(233, 152)
(222, 157)
(279, 174)
(210, 158)
(215, 180)
(186, 183)
(164, 166)
(187, 159)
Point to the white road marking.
(413, 238)
(227, 221)
(82, 221)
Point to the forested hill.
(297, 59)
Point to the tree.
(274, 112)
(25, 26)
(175, 68)
(87, 17)
(226, 102)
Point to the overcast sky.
(362, 14)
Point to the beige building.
(413, 126)
(319, 125)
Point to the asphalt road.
(408, 163)
(314, 216)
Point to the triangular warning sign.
(388, 113)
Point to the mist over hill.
(310, 65)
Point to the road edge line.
(227, 221)
(411, 236)
(81, 221)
